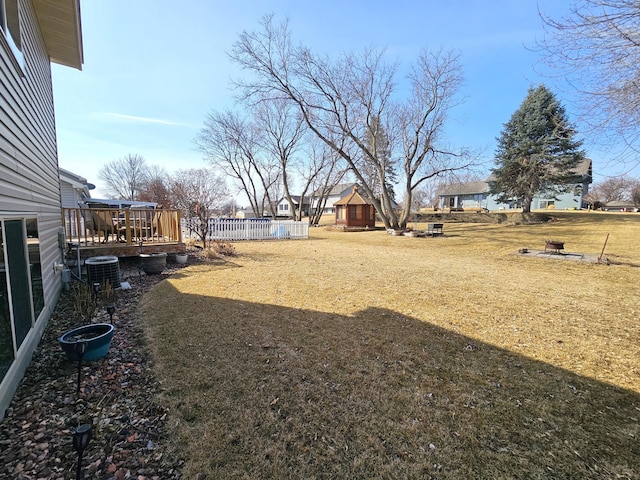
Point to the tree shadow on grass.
(263, 391)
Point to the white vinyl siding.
(29, 182)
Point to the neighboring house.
(336, 193)
(467, 195)
(74, 192)
(355, 211)
(283, 210)
(74, 189)
(245, 214)
(476, 196)
(34, 34)
(620, 206)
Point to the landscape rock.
(117, 397)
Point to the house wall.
(29, 182)
(331, 199)
(560, 202)
(570, 200)
(283, 209)
(69, 196)
(472, 201)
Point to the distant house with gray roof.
(327, 203)
(475, 195)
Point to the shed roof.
(354, 198)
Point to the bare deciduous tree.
(635, 193)
(198, 193)
(234, 145)
(283, 133)
(125, 177)
(426, 196)
(350, 97)
(323, 172)
(156, 187)
(614, 189)
(597, 48)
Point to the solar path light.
(81, 438)
(80, 348)
(111, 309)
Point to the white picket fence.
(256, 229)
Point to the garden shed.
(354, 210)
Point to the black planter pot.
(153, 263)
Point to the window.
(21, 293)
(10, 24)
(6, 334)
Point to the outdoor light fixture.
(81, 438)
(111, 309)
(96, 289)
(80, 348)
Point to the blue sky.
(154, 68)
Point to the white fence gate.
(256, 229)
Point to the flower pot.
(181, 258)
(97, 337)
(153, 263)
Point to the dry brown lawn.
(365, 355)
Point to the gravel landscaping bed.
(117, 398)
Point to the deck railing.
(100, 226)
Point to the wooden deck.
(122, 233)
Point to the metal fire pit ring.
(554, 246)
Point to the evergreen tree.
(537, 151)
(378, 144)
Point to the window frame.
(18, 340)
(10, 25)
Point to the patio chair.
(155, 230)
(103, 223)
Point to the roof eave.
(61, 29)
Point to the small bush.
(225, 249)
(219, 249)
(86, 301)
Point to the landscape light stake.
(140, 261)
(80, 348)
(81, 438)
(96, 291)
(111, 309)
